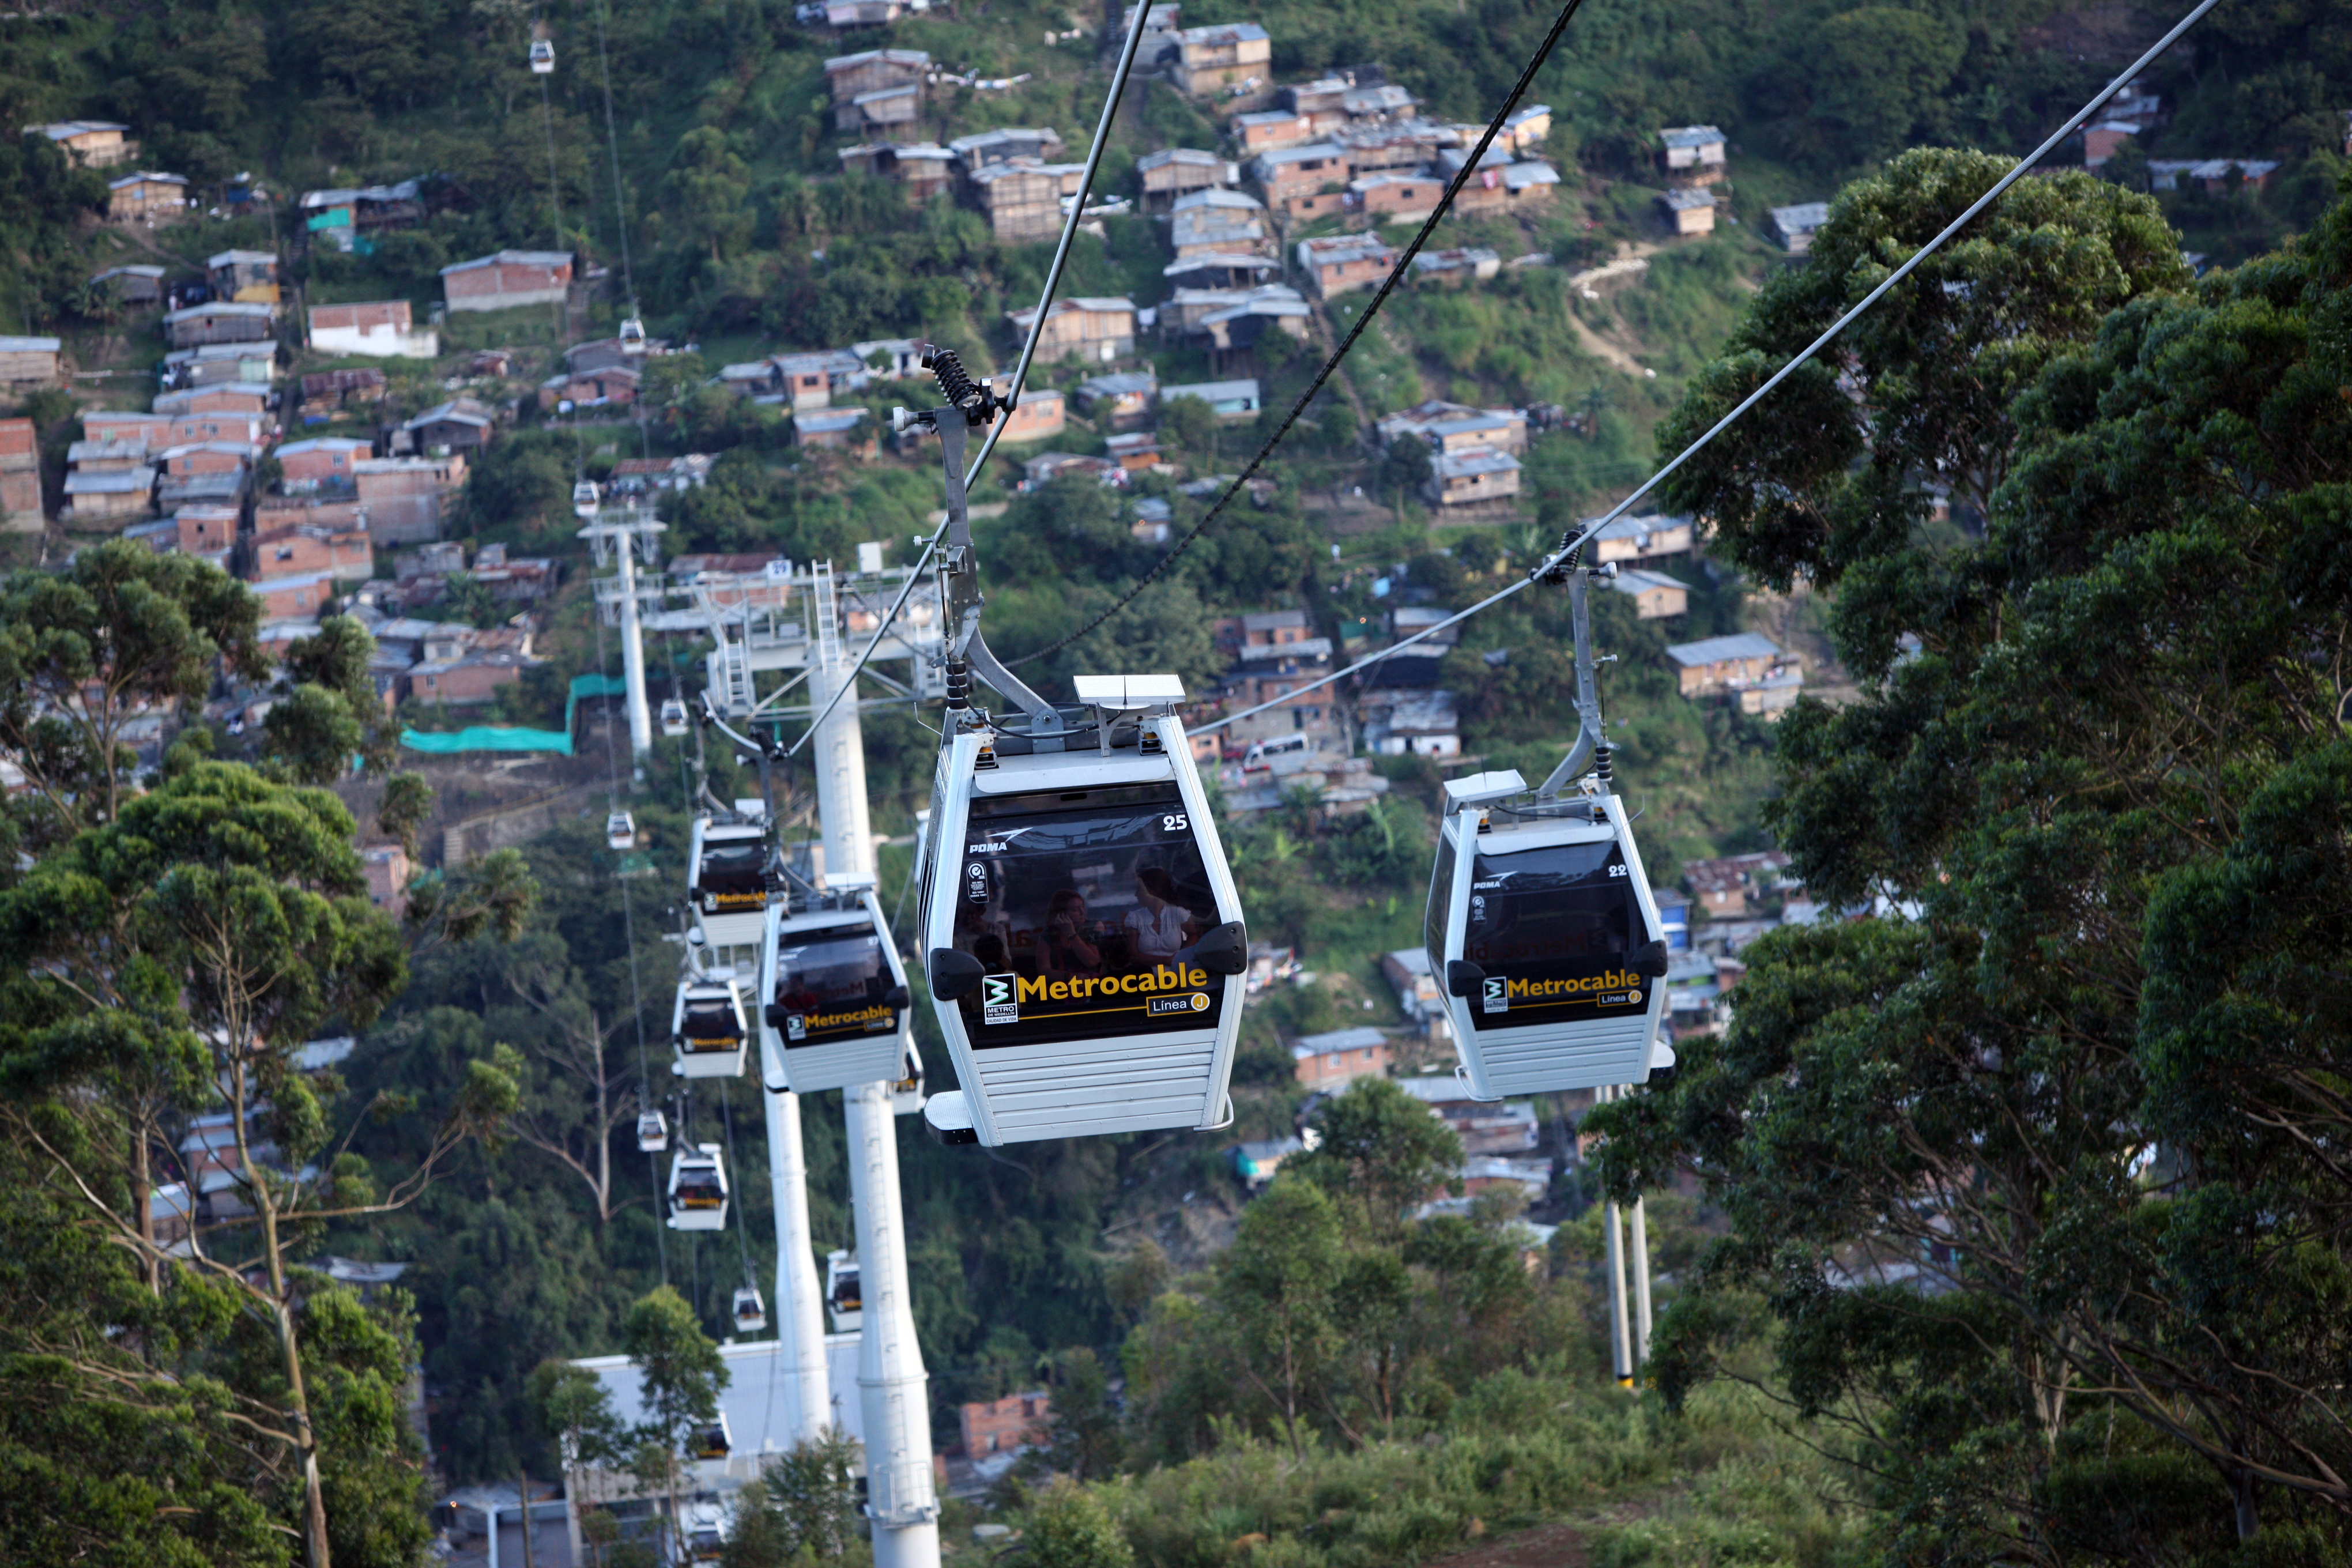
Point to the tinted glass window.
(1077, 902)
(710, 1025)
(732, 871)
(699, 1187)
(834, 981)
(1440, 895)
(1552, 929)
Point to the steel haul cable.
(1388, 286)
(1575, 542)
(629, 934)
(1020, 369)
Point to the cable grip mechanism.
(977, 399)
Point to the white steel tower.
(892, 1386)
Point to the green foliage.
(1068, 1527)
(1382, 1154)
(803, 1505)
(1811, 482)
(2069, 1095)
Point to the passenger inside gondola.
(822, 969)
(1158, 925)
(1072, 945)
(710, 1026)
(699, 1187)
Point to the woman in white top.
(1156, 924)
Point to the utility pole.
(901, 1497)
(626, 532)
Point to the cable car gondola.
(750, 1313)
(1084, 939)
(633, 334)
(1540, 925)
(706, 1027)
(843, 1298)
(1086, 942)
(542, 57)
(673, 717)
(728, 887)
(705, 1536)
(652, 1132)
(834, 999)
(584, 499)
(698, 1189)
(621, 830)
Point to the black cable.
(1403, 265)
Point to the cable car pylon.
(902, 1499)
(622, 534)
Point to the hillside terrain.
(2010, 779)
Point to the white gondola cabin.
(698, 1189)
(621, 830)
(834, 1000)
(673, 717)
(652, 1132)
(584, 499)
(750, 1313)
(542, 57)
(707, 1031)
(1544, 938)
(729, 881)
(1085, 938)
(844, 1300)
(633, 334)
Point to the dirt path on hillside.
(1551, 1546)
(1632, 261)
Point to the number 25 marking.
(1177, 823)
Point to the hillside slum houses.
(1474, 452)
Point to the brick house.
(324, 461)
(237, 401)
(1001, 1426)
(608, 387)
(1390, 195)
(308, 548)
(207, 457)
(139, 283)
(459, 425)
(404, 496)
(1273, 128)
(1218, 223)
(1291, 171)
(1456, 427)
(1796, 226)
(1211, 59)
(1630, 540)
(508, 279)
(925, 168)
(147, 197)
(1122, 400)
(1340, 1056)
(1043, 412)
(206, 533)
(1340, 262)
(1096, 329)
(295, 599)
(20, 478)
(469, 680)
(387, 869)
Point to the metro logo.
(1609, 979)
(1086, 987)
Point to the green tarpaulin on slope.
(496, 738)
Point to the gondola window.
(731, 879)
(710, 1026)
(1082, 905)
(833, 982)
(1553, 930)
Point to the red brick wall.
(18, 446)
(310, 467)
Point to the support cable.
(1575, 542)
(629, 935)
(1020, 367)
(1388, 286)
